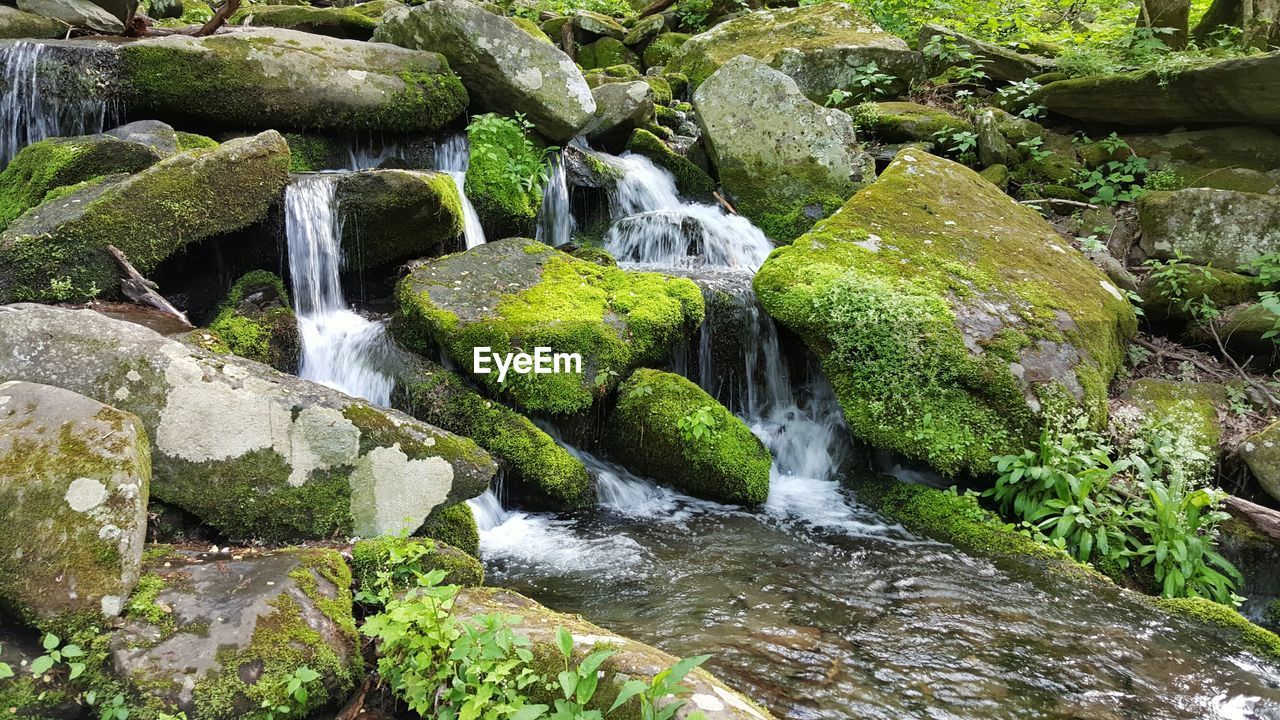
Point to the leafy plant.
(116, 709)
(504, 141)
(1266, 267)
(1172, 280)
(6, 672)
(866, 82)
(960, 144)
(1018, 95)
(1034, 148)
(577, 684)
(55, 654)
(665, 684)
(1115, 180)
(697, 425)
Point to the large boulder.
(1243, 158)
(713, 455)
(620, 108)
(504, 67)
(213, 636)
(949, 318)
(1243, 90)
(1000, 63)
(393, 215)
(517, 294)
(76, 13)
(57, 250)
(818, 45)
(1189, 408)
(783, 160)
(15, 23)
(339, 22)
(1211, 227)
(250, 451)
(272, 77)
(74, 475)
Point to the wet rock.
(517, 293)
(817, 45)
(348, 23)
(76, 13)
(389, 216)
(691, 180)
(252, 452)
(620, 108)
(1261, 452)
(74, 477)
(57, 251)
(1000, 63)
(1221, 228)
(213, 636)
(723, 462)
(256, 321)
(784, 161)
(948, 316)
(151, 133)
(502, 65)
(15, 23)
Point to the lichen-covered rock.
(57, 251)
(215, 636)
(273, 77)
(76, 13)
(1006, 139)
(1243, 90)
(620, 108)
(74, 477)
(371, 562)
(725, 462)
(339, 22)
(784, 161)
(632, 660)
(691, 180)
(1191, 408)
(252, 452)
(596, 24)
(536, 469)
(1000, 63)
(1261, 452)
(817, 45)
(393, 215)
(1240, 158)
(498, 62)
(57, 162)
(256, 321)
(521, 294)
(1221, 228)
(15, 23)
(663, 47)
(606, 52)
(645, 30)
(949, 318)
(899, 122)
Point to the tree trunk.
(1173, 14)
(1260, 30)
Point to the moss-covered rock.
(273, 77)
(57, 162)
(15, 23)
(1192, 407)
(1210, 227)
(1006, 139)
(57, 251)
(1237, 158)
(691, 180)
(339, 22)
(784, 161)
(1223, 289)
(898, 122)
(522, 294)
(217, 639)
(252, 452)
(1001, 64)
(645, 30)
(497, 61)
(456, 525)
(663, 47)
(535, 468)
(393, 215)
(74, 478)
(532, 29)
(948, 317)
(816, 45)
(377, 560)
(606, 52)
(597, 25)
(668, 428)
(505, 205)
(257, 322)
(1243, 329)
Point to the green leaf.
(530, 712)
(629, 690)
(51, 642)
(568, 682)
(41, 665)
(565, 640)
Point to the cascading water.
(34, 105)
(452, 157)
(555, 217)
(653, 226)
(340, 348)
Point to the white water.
(452, 157)
(555, 217)
(34, 107)
(653, 226)
(340, 348)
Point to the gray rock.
(784, 160)
(1221, 228)
(77, 13)
(74, 477)
(250, 451)
(597, 25)
(1261, 452)
(1001, 64)
(152, 133)
(645, 30)
(505, 68)
(15, 23)
(620, 108)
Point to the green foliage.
(116, 709)
(697, 425)
(1019, 95)
(865, 83)
(6, 672)
(1266, 267)
(506, 171)
(534, 10)
(962, 145)
(294, 689)
(1174, 279)
(693, 14)
(58, 656)
(1114, 181)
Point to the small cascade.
(452, 157)
(555, 217)
(35, 106)
(653, 226)
(366, 152)
(340, 348)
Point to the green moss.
(1224, 289)
(390, 216)
(690, 179)
(728, 464)
(377, 429)
(604, 53)
(142, 604)
(192, 141)
(896, 122)
(499, 197)
(531, 28)
(663, 48)
(372, 558)
(309, 153)
(1260, 640)
(265, 330)
(339, 22)
(1189, 406)
(456, 526)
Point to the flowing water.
(817, 606)
(35, 105)
(340, 347)
(555, 217)
(452, 156)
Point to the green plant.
(1172, 279)
(1266, 267)
(1166, 179)
(1034, 148)
(865, 83)
(698, 425)
(402, 568)
(577, 684)
(1115, 180)
(693, 14)
(1018, 95)
(959, 144)
(665, 684)
(1238, 400)
(1270, 302)
(294, 691)
(521, 162)
(115, 710)
(55, 654)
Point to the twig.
(1243, 375)
(1165, 352)
(724, 202)
(1058, 201)
(356, 705)
(141, 290)
(225, 10)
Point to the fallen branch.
(1165, 352)
(1263, 519)
(1058, 201)
(356, 705)
(141, 290)
(656, 7)
(1243, 375)
(724, 202)
(225, 10)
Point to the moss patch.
(389, 216)
(691, 180)
(257, 322)
(397, 558)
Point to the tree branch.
(141, 290)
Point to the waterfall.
(340, 348)
(653, 226)
(34, 106)
(452, 157)
(555, 217)
(365, 152)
